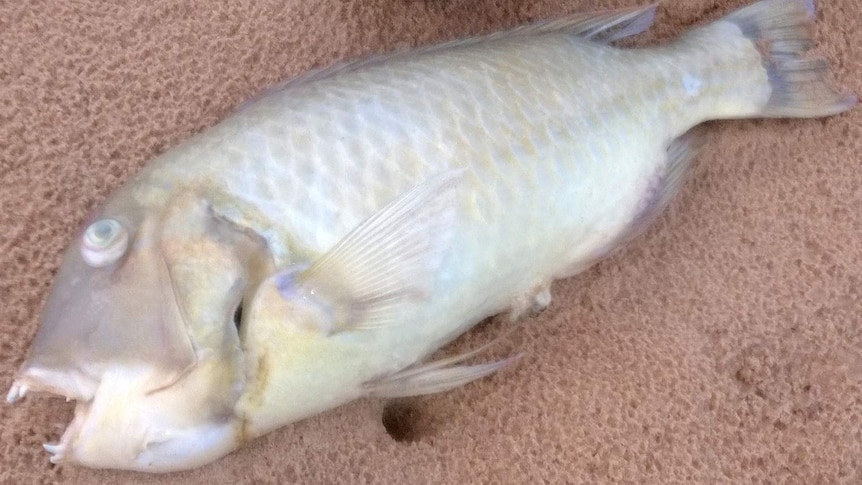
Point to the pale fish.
(355, 220)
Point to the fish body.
(318, 244)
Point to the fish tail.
(781, 31)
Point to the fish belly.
(560, 139)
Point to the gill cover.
(147, 344)
(99, 315)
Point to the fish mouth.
(126, 420)
(57, 452)
(60, 450)
(17, 392)
(69, 385)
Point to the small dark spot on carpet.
(400, 420)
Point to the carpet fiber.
(725, 346)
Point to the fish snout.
(126, 427)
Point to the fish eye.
(104, 242)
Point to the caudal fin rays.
(782, 32)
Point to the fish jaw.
(147, 347)
(69, 384)
(124, 426)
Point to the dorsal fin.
(604, 26)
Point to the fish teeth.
(16, 392)
(57, 451)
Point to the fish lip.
(62, 451)
(72, 386)
(69, 384)
(57, 451)
(17, 391)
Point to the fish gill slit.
(237, 316)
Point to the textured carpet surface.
(725, 346)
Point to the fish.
(319, 244)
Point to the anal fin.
(664, 186)
(660, 190)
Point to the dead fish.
(318, 244)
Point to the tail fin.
(782, 32)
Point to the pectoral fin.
(387, 263)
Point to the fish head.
(139, 329)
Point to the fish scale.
(317, 245)
(337, 132)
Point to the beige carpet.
(723, 347)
